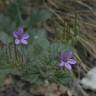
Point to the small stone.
(89, 82)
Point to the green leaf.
(63, 77)
(39, 15)
(5, 38)
(56, 48)
(39, 36)
(11, 12)
(6, 25)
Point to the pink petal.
(20, 30)
(71, 61)
(25, 36)
(61, 64)
(62, 55)
(15, 35)
(69, 54)
(68, 66)
(17, 42)
(24, 41)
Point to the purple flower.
(67, 60)
(20, 36)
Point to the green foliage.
(4, 72)
(40, 15)
(43, 60)
(6, 24)
(14, 11)
(11, 12)
(39, 60)
(6, 39)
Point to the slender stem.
(19, 12)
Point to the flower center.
(20, 36)
(65, 59)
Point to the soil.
(19, 87)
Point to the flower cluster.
(66, 58)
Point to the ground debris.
(52, 90)
(21, 88)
